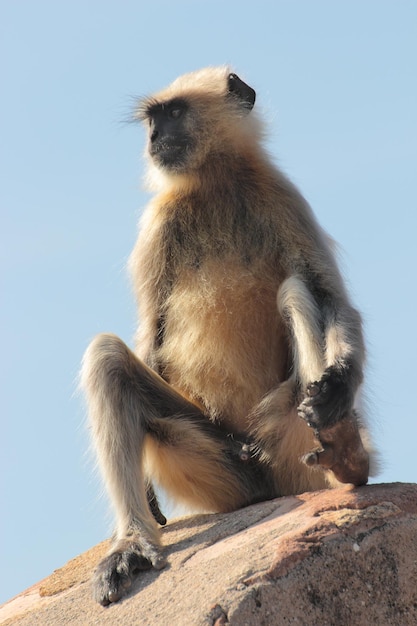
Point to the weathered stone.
(345, 556)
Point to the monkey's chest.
(224, 342)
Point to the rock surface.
(336, 557)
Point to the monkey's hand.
(327, 408)
(327, 400)
(116, 572)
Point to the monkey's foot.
(342, 452)
(116, 572)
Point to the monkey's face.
(170, 142)
(193, 118)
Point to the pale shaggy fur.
(244, 321)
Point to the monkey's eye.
(175, 113)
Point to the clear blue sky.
(337, 82)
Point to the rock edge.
(343, 556)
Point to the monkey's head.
(200, 114)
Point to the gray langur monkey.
(249, 357)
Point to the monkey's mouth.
(168, 154)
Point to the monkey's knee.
(106, 360)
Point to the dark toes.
(321, 456)
(313, 389)
(159, 562)
(310, 459)
(318, 391)
(114, 575)
(306, 412)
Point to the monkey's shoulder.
(267, 222)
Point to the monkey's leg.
(117, 419)
(137, 419)
(328, 356)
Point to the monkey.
(245, 380)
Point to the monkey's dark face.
(183, 130)
(169, 141)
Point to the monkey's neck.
(226, 169)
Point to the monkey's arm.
(328, 353)
(331, 396)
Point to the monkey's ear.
(246, 94)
